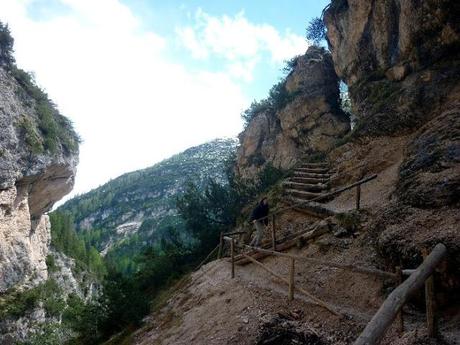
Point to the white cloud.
(131, 106)
(239, 42)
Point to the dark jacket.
(260, 211)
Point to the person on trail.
(260, 220)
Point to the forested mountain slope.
(138, 208)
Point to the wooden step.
(315, 165)
(312, 180)
(305, 186)
(311, 175)
(301, 194)
(311, 208)
(313, 170)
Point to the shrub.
(256, 107)
(51, 263)
(278, 98)
(31, 136)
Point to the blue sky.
(165, 16)
(142, 80)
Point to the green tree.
(6, 45)
(316, 30)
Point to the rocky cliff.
(401, 61)
(38, 157)
(309, 121)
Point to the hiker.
(260, 220)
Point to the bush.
(256, 107)
(31, 137)
(51, 263)
(278, 98)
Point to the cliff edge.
(38, 158)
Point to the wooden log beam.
(376, 328)
(347, 267)
(314, 299)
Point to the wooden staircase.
(309, 181)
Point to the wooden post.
(400, 316)
(313, 299)
(358, 196)
(232, 251)
(430, 303)
(221, 245)
(273, 233)
(291, 280)
(387, 312)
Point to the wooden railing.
(376, 328)
(273, 214)
(390, 309)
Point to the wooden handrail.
(387, 312)
(314, 299)
(323, 196)
(234, 233)
(348, 267)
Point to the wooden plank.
(387, 312)
(316, 300)
(291, 280)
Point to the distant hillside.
(138, 208)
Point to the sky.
(144, 79)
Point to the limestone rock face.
(32, 179)
(400, 58)
(310, 122)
